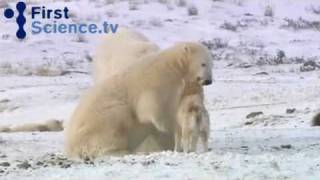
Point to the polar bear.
(110, 61)
(49, 125)
(192, 120)
(119, 51)
(111, 115)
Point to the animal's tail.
(50, 125)
(316, 120)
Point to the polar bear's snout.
(204, 82)
(207, 82)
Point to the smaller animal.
(192, 123)
(50, 125)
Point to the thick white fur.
(116, 54)
(119, 51)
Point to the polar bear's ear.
(189, 48)
(182, 60)
(186, 48)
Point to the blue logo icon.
(21, 20)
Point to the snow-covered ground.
(261, 53)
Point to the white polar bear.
(192, 120)
(111, 115)
(110, 62)
(119, 51)
(49, 125)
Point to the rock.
(254, 114)
(316, 120)
(170, 164)
(5, 164)
(65, 166)
(192, 10)
(24, 165)
(52, 163)
(245, 65)
(275, 147)
(248, 123)
(147, 163)
(39, 163)
(89, 162)
(261, 73)
(290, 111)
(287, 146)
(4, 101)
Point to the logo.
(45, 20)
(21, 20)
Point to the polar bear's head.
(199, 63)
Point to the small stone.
(287, 146)
(39, 163)
(5, 164)
(52, 163)
(4, 101)
(276, 148)
(65, 166)
(24, 165)
(147, 163)
(248, 123)
(261, 73)
(89, 162)
(254, 114)
(246, 66)
(290, 110)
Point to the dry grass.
(268, 11)
(49, 68)
(192, 10)
(301, 24)
(156, 22)
(181, 3)
(229, 26)
(315, 10)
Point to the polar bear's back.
(119, 51)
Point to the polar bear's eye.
(203, 65)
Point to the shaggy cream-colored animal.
(192, 120)
(117, 114)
